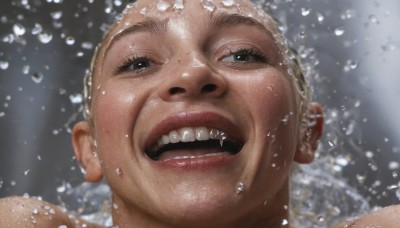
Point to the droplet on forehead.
(178, 4)
(208, 5)
(143, 11)
(162, 6)
(228, 3)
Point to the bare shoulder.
(385, 217)
(16, 211)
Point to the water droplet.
(2, 114)
(228, 3)
(26, 172)
(4, 64)
(19, 30)
(348, 14)
(342, 161)
(369, 154)
(143, 11)
(62, 226)
(1, 183)
(393, 165)
(372, 18)
(87, 45)
(56, 15)
(45, 37)
(240, 187)
(39, 158)
(37, 29)
(285, 222)
(35, 211)
(118, 171)
(339, 31)
(70, 40)
(320, 17)
(76, 98)
(56, 132)
(321, 219)
(208, 5)
(117, 2)
(61, 188)
(37, 77)
(25, 69)
(394, 174)
(350, 65)
(178, 4)
(162, 6)
(302, 34)
(305, 11)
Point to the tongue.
(191, 153)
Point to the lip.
(194, 119)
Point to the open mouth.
(192, 143)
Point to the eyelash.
(260, 56)
(130, 62)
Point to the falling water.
(46, 48)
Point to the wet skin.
(190, 67)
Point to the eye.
(245, 56)
(134, 64)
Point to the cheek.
(114, 114)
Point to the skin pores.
(192, 68)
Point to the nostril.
(176, 90)
(209, 88)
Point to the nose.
(192, 79)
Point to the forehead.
(191, 11)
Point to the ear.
(84, 149)
(310, 134)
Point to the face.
(193, 112)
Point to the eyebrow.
(231, 20)
(150, 25)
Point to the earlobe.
(308, 144)
(84, 150)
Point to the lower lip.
(199, 163)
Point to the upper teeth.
(190, 134)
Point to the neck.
(272, 214)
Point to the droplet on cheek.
(118, 171)
(240, 187)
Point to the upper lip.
(194, 119)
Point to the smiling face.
(194, 115)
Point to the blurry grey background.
(46, 46)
